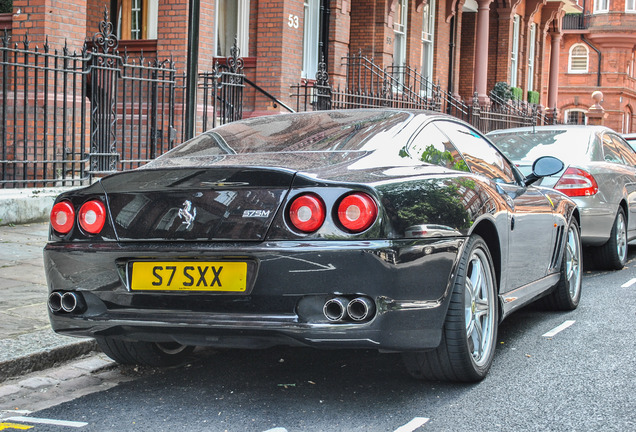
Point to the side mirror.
(543, 167)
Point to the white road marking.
(559, 329)
(277, 429)
(48, 421)
(629, 283)
(414, 424)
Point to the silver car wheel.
(621, 237)
(573, 262)
(479, 304)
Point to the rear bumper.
(596, 221)
(408, 282)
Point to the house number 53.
(293, 21)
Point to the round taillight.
(307, 213)
(357, 212)
(92, 216)
(62, 217)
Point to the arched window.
(627, 120)
(575, 117)
(578, 59)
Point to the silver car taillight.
(576, 182)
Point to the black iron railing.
(575, 21)
(370, 86)
(68, 117)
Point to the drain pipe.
(598, 74)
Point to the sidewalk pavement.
(27, 342)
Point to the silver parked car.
(600, 176)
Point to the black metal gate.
(66, 118)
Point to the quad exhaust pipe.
(69, 302)
(341, 309)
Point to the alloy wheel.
(479, 304)
(573, 262)
(621, 237)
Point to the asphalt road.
(553, 371)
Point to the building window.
(399, 33)
(578, 59)
(531, 54)
(232, 21)
(311, 34)
(575, 117)
(514, 55)
(601, 6)
(137, 19)
(630, 5)
(428, 28)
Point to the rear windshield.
(527, 146)
(331, 131)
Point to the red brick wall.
(58, 20)
(442, 42)
(278, 49)
(414, 38)
(172, 31)
(207, 35)
(339, 37)
(467, 63)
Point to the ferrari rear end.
(245, 257)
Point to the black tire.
(145, 353)
(472, 308)
(613, 254)
(567, 293)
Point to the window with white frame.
(311, 32)
(601, 6)
(428, 28)
(232, 21)
(514, 55)
(578, 60)
(531, 53)
(630, 5)
(575, 117)
(399, 33)
(137, 19)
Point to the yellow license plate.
(189, 276)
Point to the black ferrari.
(393, 230)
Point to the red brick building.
(465, 46)
(598, 53)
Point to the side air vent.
(554, 262)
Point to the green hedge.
(6, 6)
(502, 91)
(517, 93)
(533, 97)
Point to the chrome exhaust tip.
(361, 308)
(335, 309)
(55, 301)
(69, 302)
(73, 302)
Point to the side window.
(610, 153)
(431, 146)
(481, 156)
(626, 152)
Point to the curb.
(44, 357)
(22, 206)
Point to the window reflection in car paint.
(479, 154)
(445, 201)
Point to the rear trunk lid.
(198, 204)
